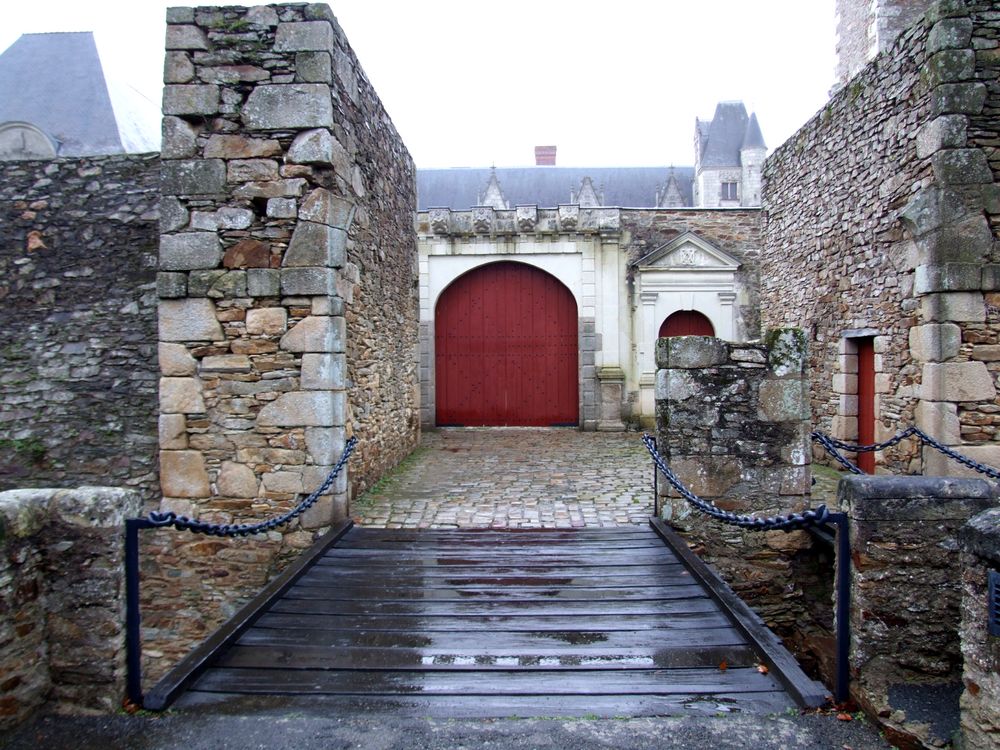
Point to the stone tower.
(867, 27)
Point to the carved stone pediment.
(689, 251)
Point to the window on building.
(728, 192)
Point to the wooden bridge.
(596, 622)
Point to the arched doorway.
(505, 349)
(686, 323)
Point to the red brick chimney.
(545, 156)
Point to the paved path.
(514, 478)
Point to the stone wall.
(981, 648)
(62, 611)
(77, 310)
(906, 588)
(287, 298)
(880, 221)
(732, 422)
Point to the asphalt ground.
(297, 731)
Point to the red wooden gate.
(686, 323)
(866, 401)
(505, 342)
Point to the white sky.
(474, 84)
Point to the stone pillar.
(612, 380)
(980, 542)
(954, 280)
(733, 421)
(905, 585)
(62, 640)
(254, 223)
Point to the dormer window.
(727, 191)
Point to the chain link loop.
(811, 517)
(834, 446)
(169, 518)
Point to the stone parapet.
(732, 421)
(486, 220)
(980, 558)
(906, 586)
(62, 643)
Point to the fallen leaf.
(762, 668)
(723, 666)
(844, 717)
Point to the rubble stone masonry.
(732, 423)
(62, 634)
(906, 590)
(288, 312)
(78, 322)
(980, 543)
(880, 220)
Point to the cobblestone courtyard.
(514, 478)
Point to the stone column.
(905, 585)
(980, 543)
(254, 234)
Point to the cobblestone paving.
(514, 478)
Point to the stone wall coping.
(981, 535)
(913, 498)
(25, 512)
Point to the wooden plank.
(192, 665)
(332, 577)
(806, 691)
(557, 558)
(539, 643)
(527, 546)
(688, 598)
(462, 707)
(334, 592)
(596, 569)
(499, 624)
(693, 681)
(666, 602)
(389, 658)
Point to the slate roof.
(547, 187)
(725, 136)
(753, 138)
(55, 82)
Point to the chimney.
(545, 156)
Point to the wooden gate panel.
(506, 349)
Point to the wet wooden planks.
(493, 623)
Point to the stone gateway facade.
(290, 297)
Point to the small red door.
(866, 401)
(686, 323)
(505, 338)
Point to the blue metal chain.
(168, 518)
(834, 446)
(812, 517)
